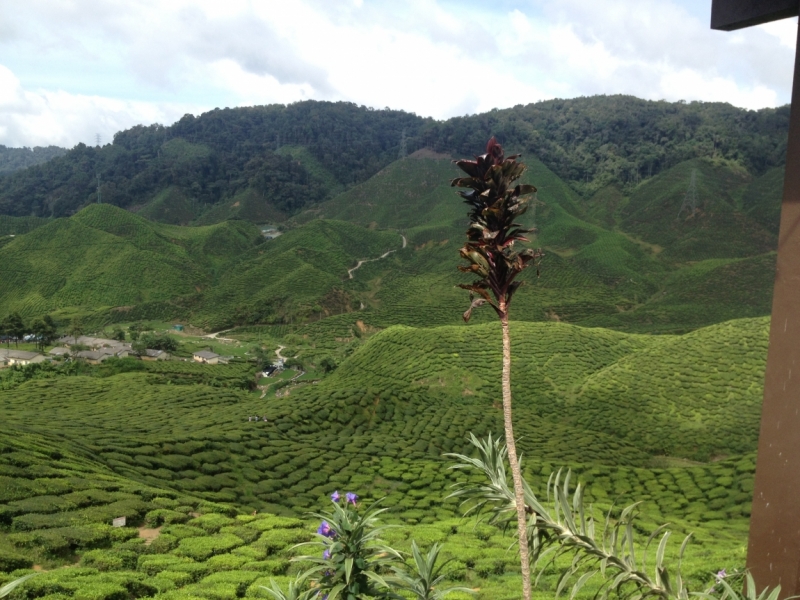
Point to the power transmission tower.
(97, 139)
(403, 146)
(690, 199)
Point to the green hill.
(716, 229)
(107, 257)
(14, 159)
(404, 398)
(607, 264)
(697, 395)
(279, 159)
(300, 275)
(600, 269)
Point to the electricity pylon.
(690, 199)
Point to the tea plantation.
(360, 293)
(172, 447)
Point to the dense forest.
(14, 159)
(588, 142)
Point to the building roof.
(92, 342)
(153, 353)
(93, 355)
(59, 351)
(207, 354)
(18, 354)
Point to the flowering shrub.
(354, 563)
(353, 559)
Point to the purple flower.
(721, 575)
(335, 496)
(327, 554)
(325, 529)
(351, 498)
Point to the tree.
(13, 327)
(328, 364)
(495, 202)
(76, 329)
(262, 356)
(4, 333)
(154, 341)
(118, 334)
(45, 331)
(139, 346)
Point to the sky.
(71, 70)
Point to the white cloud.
(41, 118)
(87, 63)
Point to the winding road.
(384, 255)
(215, 336)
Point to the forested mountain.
(596, 141)
(268, 162)
(217, 156)
(14, 159)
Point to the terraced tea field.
(58, 505)
(164, 442)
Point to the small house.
(207, 357)
(93, 357)
(59, 351)
(150, 354)
(22, 358)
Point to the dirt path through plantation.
(366, 260)
(149, 534)
(215, 336)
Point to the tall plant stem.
(516, 474)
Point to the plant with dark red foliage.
(495, 204)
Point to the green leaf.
(348, 568)
(9, 587)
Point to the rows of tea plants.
(57, 501)
(696, 396)
(18, 225)
(715, 230)
(401, 400)
(57, 506)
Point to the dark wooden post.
(773, 553)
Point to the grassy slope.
(105, 256)
(697, 395)
(18, 225)
(638, 277)
(717, 230)
(593, 273)
(300, 274)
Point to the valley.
(638, 349)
